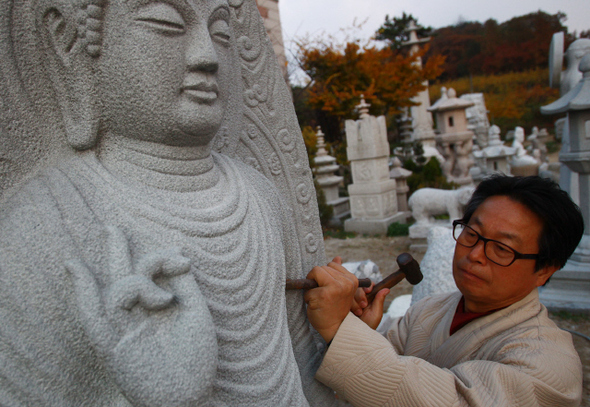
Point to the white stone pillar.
(373, 195)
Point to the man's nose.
(201, 55)
(477, 252)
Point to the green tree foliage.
(428, 175)
(394, 30)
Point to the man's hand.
(370, 314)
(330, 303)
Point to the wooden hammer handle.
(387, 282)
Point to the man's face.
(159, 69)
(485, 285)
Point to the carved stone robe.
(235, 235)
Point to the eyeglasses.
(495, 251)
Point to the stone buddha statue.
(156, 196)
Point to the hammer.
(408, 268)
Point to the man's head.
(531, 215)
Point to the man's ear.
(545, 274)
(71, 72)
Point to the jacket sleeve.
(365, 369)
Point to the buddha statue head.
(145, 70)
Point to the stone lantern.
(494, 158)
(329, 182)
(455, 140)
(570, 286)
(400, 174)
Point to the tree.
(339, 74)
(394, 31)
(517, 45)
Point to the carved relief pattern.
(357, 207)
(372, 205)
(269, 137)
(364, 172)
(222, 140)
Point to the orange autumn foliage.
(386, 78)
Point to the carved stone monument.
(495, 157)
(421, 117)
(522, 163)
(157, 194)
(329, 182)
(477, 117)
(568, 179)
(437, 265)
(455, 140)
(569, 287)
(373, 195)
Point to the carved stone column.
(373, 195)
(569, 287)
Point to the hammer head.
(410, 268)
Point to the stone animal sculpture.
(157, 194)
(426, 203)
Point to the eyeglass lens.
(497, 252)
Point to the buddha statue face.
(160, 67)
(144, 69)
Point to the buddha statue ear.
(70, 62)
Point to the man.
(492, 343)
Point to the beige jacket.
(514, 357)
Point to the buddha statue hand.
(157, 340)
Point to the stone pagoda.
(325, 172)
(495, 157)
(455, 140)
(373, 195)
(420, 118)
(570, 287)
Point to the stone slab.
(568, 289)
(373, 227)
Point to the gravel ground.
(384, 250)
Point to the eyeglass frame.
(517, 255)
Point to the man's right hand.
(330, 303)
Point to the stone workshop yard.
(384, 250)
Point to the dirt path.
(383, 252)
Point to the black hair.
(563, 224)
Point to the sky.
(314, 17)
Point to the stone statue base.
(568, 288)
(341, 207)
(373, 226)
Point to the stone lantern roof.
(578, 98)
(450, 101)
(398, 171)
(495, 148)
